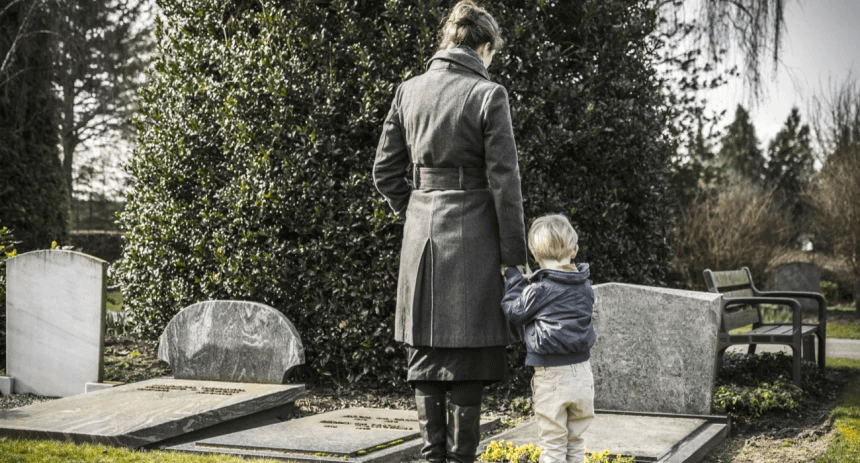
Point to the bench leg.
(795, 367)
(751, 349)
(822, 347)
(808, 349)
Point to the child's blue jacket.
(555, 312)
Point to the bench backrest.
(734, 283)
(730, 283)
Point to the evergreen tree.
(740, 154)
(788, 169)
(35, 201)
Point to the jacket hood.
(571, 274)
(462, 55)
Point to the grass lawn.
(36, 451)
(843, 330)
(114, 301)
(845, 448)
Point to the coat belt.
(450, 178)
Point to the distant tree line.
(69, 72)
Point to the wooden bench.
(740, 307)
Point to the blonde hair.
(552, 237)
(470, 25)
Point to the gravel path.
(20, 400)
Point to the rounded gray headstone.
(797, 276)
(231, 341)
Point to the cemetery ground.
(827, 423)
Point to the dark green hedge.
(258, 130)
(104, 244)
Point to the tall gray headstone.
(655, 350)
(797, 276)
(231, 341)
(55, 310)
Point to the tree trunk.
(68, 137)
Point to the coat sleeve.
(392, 161)
(504, 176)
(520, 301)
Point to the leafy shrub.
(258, 130)
(501, 451)
(757, 400)
(106, 245)
(739, 226)
(752, 385)
(828, 290)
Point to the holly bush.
(257, 134)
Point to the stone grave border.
(395, 453)
(692, 448)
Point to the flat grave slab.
(138, 414)
(353, 434)
(646, 436)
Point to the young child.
(554, 308)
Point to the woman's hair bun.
(469, 24)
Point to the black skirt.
(487, 364)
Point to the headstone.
(138, 414)
(655, 350)
(797, 276)
(646, 436)
(55, 309)
(231, 341)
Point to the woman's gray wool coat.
(449, 289)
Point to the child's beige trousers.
(564, 407)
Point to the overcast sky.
(821, 47)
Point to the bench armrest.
(822, 302)
(791, 303)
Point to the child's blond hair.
(552, 238)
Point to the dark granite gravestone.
(231, 341)
(796, 276)
(144, 413)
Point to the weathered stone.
(143, 413)
(655, 350)
(797, 276)
(55, 309)
(360, 435)
(231, 341)
(348, 432)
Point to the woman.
(464, 218)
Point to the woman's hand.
(524, 269)
(504, 267)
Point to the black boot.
(464, 433)
(431, 423)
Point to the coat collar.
(462, 55)
(572, 274)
